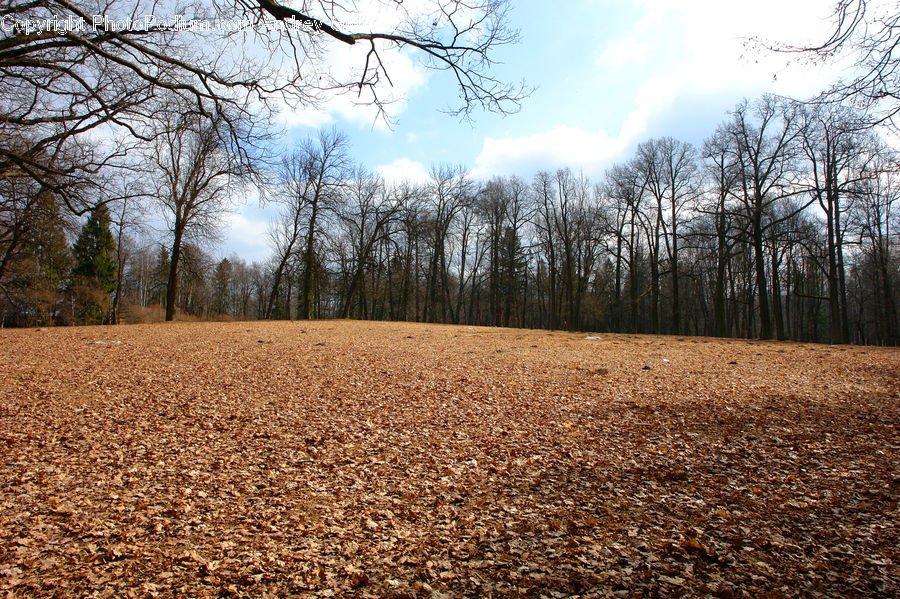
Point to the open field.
(400, 460)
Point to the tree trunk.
(676, 298)
(617, 293)
(351, 290)
(721, 263)
(776, 294)
(892, 331)
(172, 286)
(654, 294)
(842, 277)
(632, 280)
(762, 288)
(276, 283)
(309, 297)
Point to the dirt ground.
(335, 458)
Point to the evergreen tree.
(94, 272)
(34, 272)
(221, 279)
(161, 275)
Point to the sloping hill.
(381, 459)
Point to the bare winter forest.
(782, 224)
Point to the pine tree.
(34, 273)
(221, 279)
(94, 274)
(161, 276)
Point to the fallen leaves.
(396, 460)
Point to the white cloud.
(619, 53)
(701, 55)
(403, 169)
(247, 233)
(654, 13)
(720, 60)
(560, 147)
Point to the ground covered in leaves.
(397, 460)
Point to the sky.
(607, 75)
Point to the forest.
(782, 224)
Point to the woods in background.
(124, 149)
(784, 224)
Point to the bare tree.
(624, 189)
(831, 140)
(722, 176)
(456, 36)
(868, 33)
(407, 237)
(763, 150)
(648, 163)
(514, 258)
(679, 172)
(126, 220)
(544, 223)
(365, 215)
(669, 167)
(195, 174)
(84, 92)
(448, 191)
(877, 219)
(493, 204)
(327, 168)
(294, 195)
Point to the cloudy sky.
(608, 74)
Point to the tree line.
(782, 224)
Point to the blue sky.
(608, 75)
